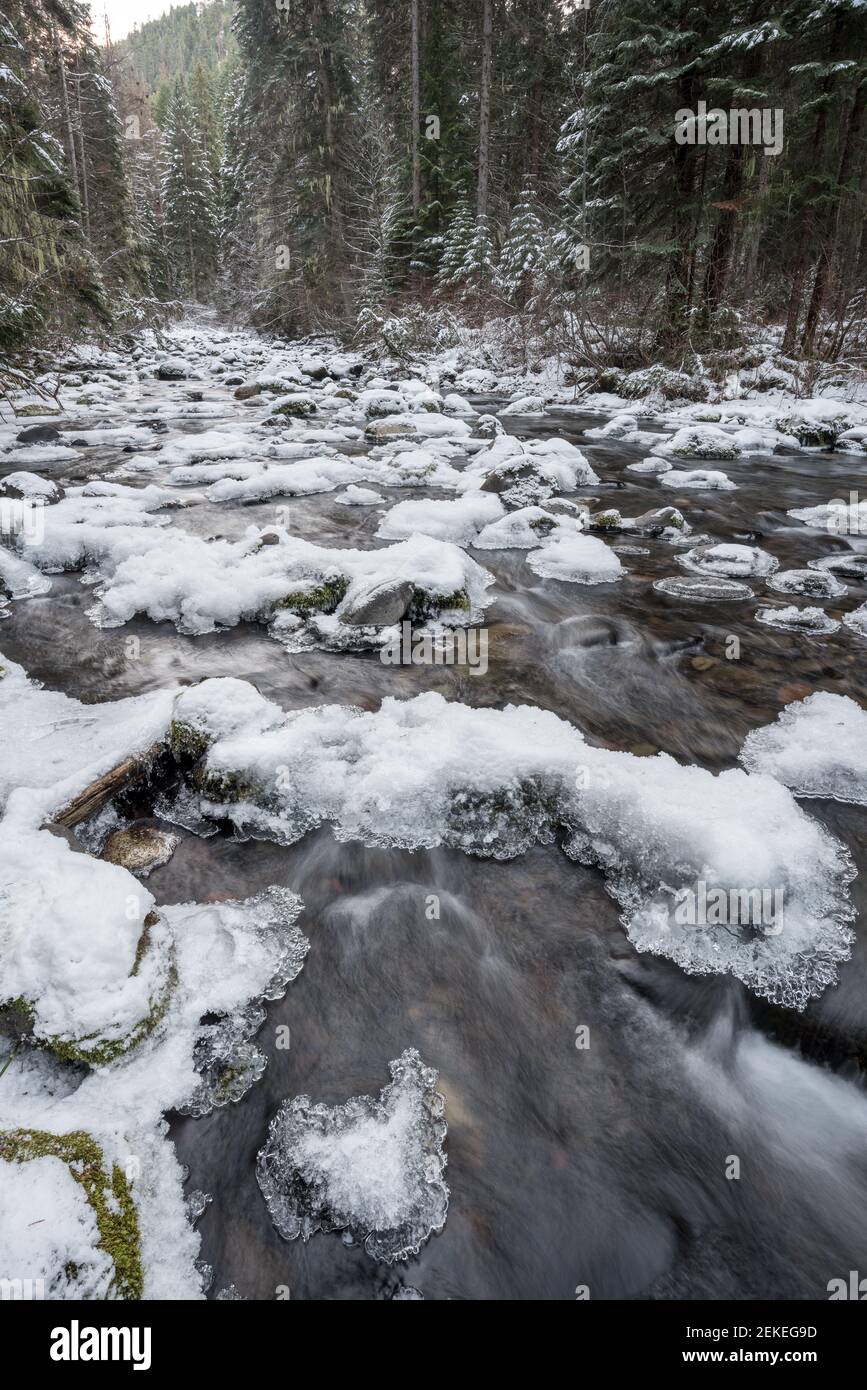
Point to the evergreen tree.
(525, 253)
(189, 200)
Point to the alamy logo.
(76, 1343)
(464, 647)
(740, 126)
(702, 906)
(847, 518)
(853, 1288)
(22, 1290)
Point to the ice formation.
(811, 621)
(424, 772)
(371, 1167)
(817, 747)
(109, 993)
(577, 558)
(729, 561)
(857, 620)
(710, 479)
(703, 590)
(812, 583)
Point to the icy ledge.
(107, 993)
(817, 747)
(426, 772)
(372, 1168)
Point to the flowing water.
(604, 1166)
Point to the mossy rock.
(319, 598)
(296, 405)
(188, 742)
(96, 1051)
(609, 520)
(425, 605)
(223, 785)
(26, 412)
(16, 1018)
(108, 1194)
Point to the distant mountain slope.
(176, 43)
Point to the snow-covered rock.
(817, 747)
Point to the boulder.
(377, 606)
(139, 849)
(38, 434)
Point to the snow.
(200, 585)
(70, 935)
(701, 442)
(31, 486)
(710, 479)
(817, 747)
(839, 517)
(424, 772)
(729, 560)
(578, 558)
(791, 619)
(523, 529)
(524, 405)
(48, 1232)
(353, 496)
(371, 1167)
(459, 520)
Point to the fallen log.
(120, 778)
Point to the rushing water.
(604, 1166)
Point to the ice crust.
(817, 747)
(372, 1167)
(424, 772)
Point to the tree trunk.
(416, 109)
(67, 115)
(754, 237)
(85, 199)
(829, 256)
(720, 255)
(485, 111)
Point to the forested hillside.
(329, 163)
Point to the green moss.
(228, 1077)
(109, 1196)
(16, 1017)
(425, 605)
(220, 785)
(187, 742)
(607, 521)
(320, 598)
(97, 1052)
(302, 405)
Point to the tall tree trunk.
(799, 274)
(720, 255)
(754, 236)
(85, 198)
(67, 114)
(485, 111)
(416, 108)
(829, 255)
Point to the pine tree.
(189, 200)
(525, 254)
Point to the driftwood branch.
(94, 797)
